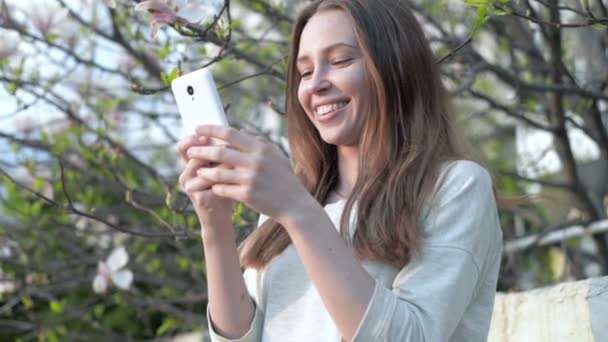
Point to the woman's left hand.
(260, 175)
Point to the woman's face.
(333, 87)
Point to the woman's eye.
(342, 61)
(305, 73)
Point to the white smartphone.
(198, 101)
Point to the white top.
(445, 293)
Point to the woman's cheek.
(302, 98)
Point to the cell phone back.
(197, 100)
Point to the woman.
(381, 231)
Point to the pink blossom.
(168, 12)
(162, 14)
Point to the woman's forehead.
(325, 30)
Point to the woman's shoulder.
(463, 211)
(462, 175)
(463, 169)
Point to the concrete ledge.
(567, 312)
(573, 311)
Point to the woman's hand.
(214, 212)
(256, 172)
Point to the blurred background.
(98, 243)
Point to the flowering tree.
(97, 241)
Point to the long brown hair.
(406, 137)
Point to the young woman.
(381, 231)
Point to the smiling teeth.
(322, 110)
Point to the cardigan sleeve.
(253, 282)
(431, 293)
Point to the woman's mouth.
(330, 108)
(327, 112)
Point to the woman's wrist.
(300, 213)
(217, 234)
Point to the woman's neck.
(348, 167)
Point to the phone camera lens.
(190, 90)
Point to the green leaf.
(238, 211)
(44, 136)
(11, 87)
(131, 180)
(258, 7)
(38, 184)
(234, 24)
(484, 85)
(20, 67)
(153, 265)
(27, 302)
(169, 199)
(183, 262)
(557, 262)
(117, 298)
(56, 307)
(168, 323)
(476, 3)
(99, 310)
(51, 37)
(62, 330)
(36, 208)
(173, 75)
(164, 52)
(51, 337)
(481, 18)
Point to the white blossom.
(10, 43)
(112, 271)
(110, 3)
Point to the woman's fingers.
(192, 140)
(224, 176)
(190, 171)
(197, 184)
(236, 139)
(219, 154)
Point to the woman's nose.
(319, 82)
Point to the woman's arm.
(231, 309)
(230, 306)
(343, 284)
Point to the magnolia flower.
(112, 271)
(110, 3)
(10, 43)
(48, 20)
(167, 12)
(51, 21)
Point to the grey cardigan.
(445, 293)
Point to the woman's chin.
(336, 139)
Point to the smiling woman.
(382, 230)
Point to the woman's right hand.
(214, 212)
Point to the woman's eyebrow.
(305, 58)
